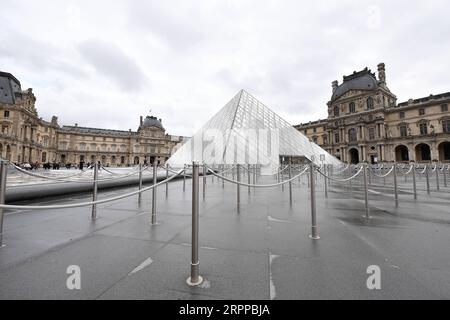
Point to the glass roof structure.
(245, 131)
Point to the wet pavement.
(263, 252)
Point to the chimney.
(334, 85)
(141, 121)
(381, 73)
(160, 120)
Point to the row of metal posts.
(195, 278)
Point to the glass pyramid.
(245, 131)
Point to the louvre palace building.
(27, 138)
(365, 123)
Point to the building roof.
(151, 121)
(445, 95)
(9, 75)
(362, 80)
(86, 130)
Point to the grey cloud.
(112, 62)
(180, 31)
(38, 56)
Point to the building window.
(336, 111)
(352, 107)
(325, 139)
(401, 115)
(371, 133)
(421, 112)
(446, 126)
(336, 137)
(403, 131)
(369, 103)
(444, 108)
(315, 140)
(423, 128)
(314, 130)
(6, 114)
(352, 135)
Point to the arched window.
(369, 103)
(352, 135)
(336, 111)
(352, 107)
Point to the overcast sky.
(105, 63)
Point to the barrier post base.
(196, 283)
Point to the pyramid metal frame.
(245, 131)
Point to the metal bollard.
(155, 181)
(350, 174)
(395, 184)
(282, 180)
(238, 189)
(308, 179)
(167, 177)
(195, 279)
(3, 173)
(325, 180)
(445, 176)
(290, 185)
(94, 193)
(204, 181)
(428, 179)
(278, 174)
(223, 181)
(254, 174)
(330, 173)
(184, 179)
(369, 176)
(313, 234)
(366, 192)
(140, 184)
(414, 181)
(437, 177)
(248, 176)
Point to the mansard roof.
(361, 80)
(87, 130)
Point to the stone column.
(411, 153)
(434, 151)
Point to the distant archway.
(444, 151)
(423, 152)
(353, 155)
(136, 160)
(401, 153)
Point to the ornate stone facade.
(365, 123)
(27, 138)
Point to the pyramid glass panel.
(245, 131)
